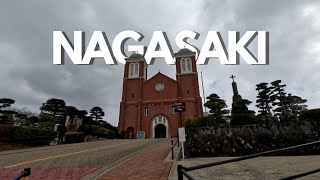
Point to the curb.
(177, 157)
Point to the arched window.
(146, 111)
(134, 70)
(131, 66)
(186, 66)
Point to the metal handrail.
(301, 175)
(183, 170)
(172, 147)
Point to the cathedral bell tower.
(188, 85)
(135, 74)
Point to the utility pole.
(204, 98)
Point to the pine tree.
(278, 96)
(97, 113)
(54, 107)
(296, 105)
(264, 99)
(6, 115)
(240, 113)
(217, 108)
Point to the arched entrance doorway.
(160, 131)
(160, 127)
(130, 133)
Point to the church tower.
(147, 108)
(135, 74)
(188, 85)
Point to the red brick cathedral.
(146, 108)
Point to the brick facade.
(147, 103)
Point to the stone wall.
(73, 123)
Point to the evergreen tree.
(6, 102)
(240, 113)
(6, 115)
(263, 99)
(311, 115)
(296, 105)
(71, 111)
(33, 119)
(277, 96)
(54, 107)
(82, 113)
(217, 108)
(97, 113)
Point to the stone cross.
(232, 77)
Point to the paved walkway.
(262, 168)
(148, 165)
(74, 161)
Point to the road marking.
(63, 155)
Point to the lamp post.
(180, 107)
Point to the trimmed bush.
(74, 137)
(28, 135)
(249, 139)
(96, 130)
(29, 132)
(311, 115)
(204, 121)
(6, 130)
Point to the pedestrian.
(61, 132)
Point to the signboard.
(56, 127)
(182, 139)
(182, 134)
(179, 107)
(140, 135)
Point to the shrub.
(48, 121)
(74, 137)
(204, 121)
(28, 135)
(311, 115)
(31, 132)
(244, 140)
(6, 130)
(96, 130)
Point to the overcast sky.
(27, 73)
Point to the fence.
(183, 171)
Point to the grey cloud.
(28, 75)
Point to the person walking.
(61, 133)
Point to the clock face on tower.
(159, 86)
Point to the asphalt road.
(74, 161)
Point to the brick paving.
(40, 173)
(70, 161)
(148, 165)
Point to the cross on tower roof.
(232, 77)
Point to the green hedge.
(28, 131)
(27, 135)
(74, 137)
(96, 130)
(203, 121)
(250, 139)
(6, 130)
(311, 115)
